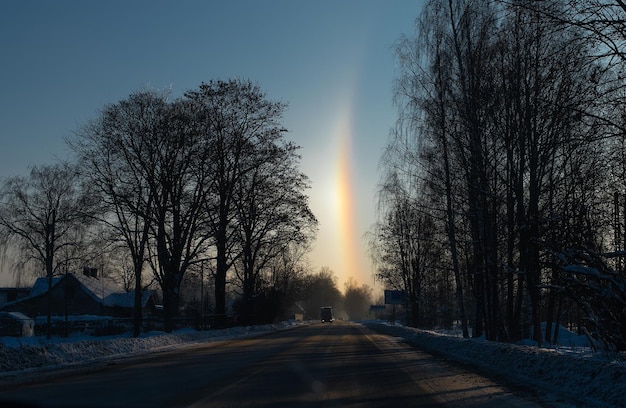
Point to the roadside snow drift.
(576, 374)
(18, 355)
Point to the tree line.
(503, 194)
(206, 181)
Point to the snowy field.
(570, 372)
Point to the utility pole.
(202, 292)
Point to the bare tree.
(424, 102)
(117, 153)
(170, 170)
(146, 157)
(357, 299)
(320, 289)
(46, 214)
(272, 213)
(501, 122)
(234, 117)
(178, 214)
(404, 246)
(287, 274)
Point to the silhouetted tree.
(320, 289)
(272, 214)
(45, 214)
(117, 153)
(356, 299)
(502, 117)
(235, 118)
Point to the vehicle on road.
(326, 314)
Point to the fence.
(107, 326)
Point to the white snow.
(570, 372)
(27, 354)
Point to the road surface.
(329, 365)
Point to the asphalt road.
(319, 365)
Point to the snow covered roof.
(99, 288)
(102, 289)
(126, 299)
(41, 286)
(16, 316)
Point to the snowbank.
(20, 355)
(576, 374)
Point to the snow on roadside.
(30, 354)
(592, 379)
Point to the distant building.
(80, 294)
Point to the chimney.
(90, 272)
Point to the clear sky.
(332, 62)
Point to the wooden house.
(80, 294)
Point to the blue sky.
(332, 62)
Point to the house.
(80, 294)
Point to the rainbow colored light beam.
(350, 257)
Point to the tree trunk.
(220, 280)
(451, 228)
(170, 310)
(557, 323)
(50, 268)
(138, 307)
(549, 317)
